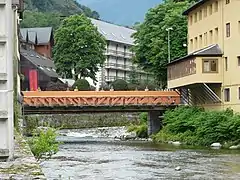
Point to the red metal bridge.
(59, 102)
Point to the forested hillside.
(40, 13)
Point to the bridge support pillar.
(154, 122)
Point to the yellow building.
(209, 75)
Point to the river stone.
(176, 143)
(178, 168)
(216, 145)
(235, 147)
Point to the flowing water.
(93, 154)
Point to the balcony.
(113, 78)
(122, 54)
(203, 66)
(118, 66)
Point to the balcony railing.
(118, 66)
(119, 53)
(113, 78)
(124, 67)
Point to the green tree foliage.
(44, 144)
(152, 38)
(141, 129)
(119, 85)
(42, 13)
(40, 19)
(82, 85)
(78, 46)
(194, 126)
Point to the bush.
(143, 118)
(142, 129)
(82, 85)
(120, 85)
(56, 86)
(44, 144)
(132, 87)
(194, 126)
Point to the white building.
(9, 19)
(118, 64)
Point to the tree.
(79, 47)
(42, 13)
(151, 39)
(82, 85)
(119, 85)
(38, 19)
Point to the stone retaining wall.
(24, 165)
(79, 121)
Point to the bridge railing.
(100, 98)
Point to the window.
(210, 66)
(200, 15)
(239, 93)
(216, 35)
(205, 11)
(191, 44)
(196, 43)
(216, 6)
(226, 64)
(210, 9)
(190, 20)
(228, 29)
(238, 60)
(200, 41)
(195, 17)
(239, 27)
(227, 1)
(205, 39)
(211, 36)
(227, 94)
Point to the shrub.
(82, 85)
(143, 117)
(194, 126)
(142, 129)
(120, 85)
(56, 86)
(132, 87)
(44, 144)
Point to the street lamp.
(169, 45)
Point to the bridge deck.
(50, 102)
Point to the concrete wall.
(7, 19)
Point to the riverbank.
(194, 126)
(23, 166)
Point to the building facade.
(10, 12)
(209, 74)
(39, 39)
(118, 64)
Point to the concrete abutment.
(154, 122)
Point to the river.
(93, 154)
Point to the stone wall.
(79, 121)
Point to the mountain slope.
(41, 13)
(124, 12)
(65, 7)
